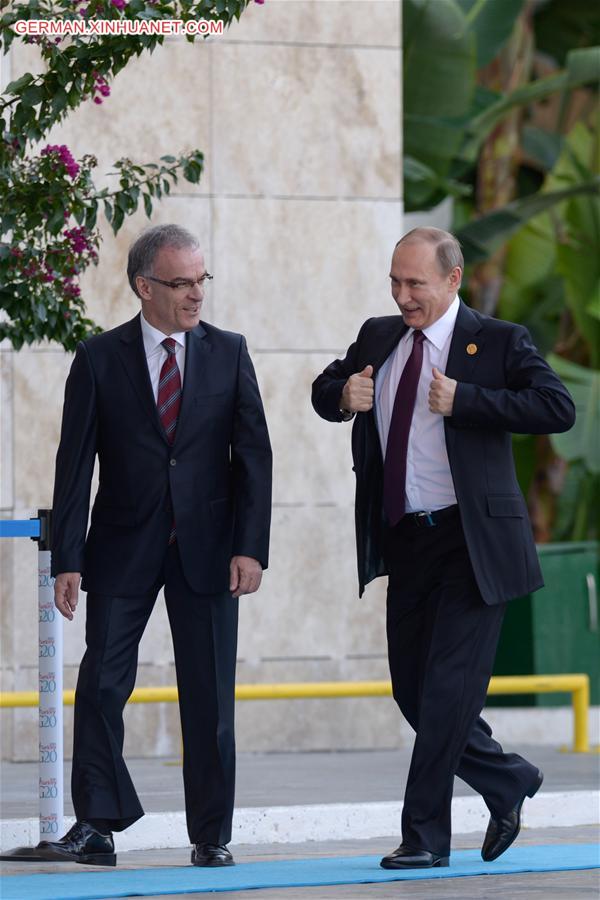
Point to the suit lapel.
(466, 346)
(382, 351)
(133, 356)
(197, 350)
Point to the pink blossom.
(119, 4)
(64, 156)
(101, 86)
(80, 241)
(72, 290)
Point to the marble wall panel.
(308, 604)
(39, 381)
(302, 275)
(337, 22)
(312, 462)
(345, 723)
(317, 121)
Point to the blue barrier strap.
(20, 528)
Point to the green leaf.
(148, 205)
(59, 101)
(118, 218)
(593, 307)
(581, 273)
(56, 221)
(582, 68)
(15, 87)
(581, 442)
(543, 147)
(31, 96)
(492, 22)
(438, 79)
(482, 237)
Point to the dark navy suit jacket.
(504, 387)
(217, 474)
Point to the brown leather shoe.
(81, 844)
(502, 830)
(211, 855)
(409, 858)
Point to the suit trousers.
(204, 632)
(442, 641)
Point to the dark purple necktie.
(394, 468)
(169, 399)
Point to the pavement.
(310, 794)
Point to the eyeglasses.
(182, 283)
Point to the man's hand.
(357, 395)
(66, 593)
(245, 575)
(441, 393)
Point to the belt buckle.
(425, 519)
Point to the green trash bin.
(555, 630)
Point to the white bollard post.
(51, 789)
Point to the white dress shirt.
(156, 353)
(429, 483)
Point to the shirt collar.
(153, 338)
(440, 330)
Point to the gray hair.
(142, 252)
(448, 253)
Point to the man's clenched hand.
(245, 575)
(441, 393)
(357, 395)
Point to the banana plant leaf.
(492, 22)
(481, 237)
(583, 67)
(439, 64)
(582, 442)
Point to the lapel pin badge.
(471, 349)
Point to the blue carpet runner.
(91, 884)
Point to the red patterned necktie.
(169, 398)
(394, 468)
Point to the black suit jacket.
(504, 387)
(217, 474)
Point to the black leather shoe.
(408, 858)
(81, 844)
(502, 830)
(211, 855)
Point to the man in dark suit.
(436, 393)
(172, 409)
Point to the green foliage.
(551, 277)
(447, 116)
(49, 205)
(581, 442)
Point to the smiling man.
(435, 394)
(171, 408)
